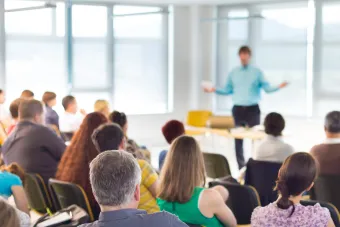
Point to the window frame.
(68, 40)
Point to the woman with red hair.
(74, 165)
(171, 130)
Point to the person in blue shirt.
(11, 183)
(244, 84)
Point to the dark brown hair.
(244, 50)
(48, 96)
(67, 100)
(297, 173)
(14, 108)
(28, 109)
(274, 124)
(183, 170)
(74, 165)
(27, 94)
(118, 118)
(14, 168)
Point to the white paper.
(207, 84)
(60, 218)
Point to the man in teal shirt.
(244, 84)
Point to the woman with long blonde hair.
(181, 189)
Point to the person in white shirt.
(273, 148)
(70, 121)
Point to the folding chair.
(37, 194)
(67, 194)
(242, 200)
(262, 176)
(216, 165)
(326, 189)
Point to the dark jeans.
(244, 116)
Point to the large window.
(232, 33)
(278, 34)
(140, 59)
(327, 90)
(281, 53)
(35, 55)
(93, 51)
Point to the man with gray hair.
(115, 178)
(33, 146)
(328, 153)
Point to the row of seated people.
(36, 119)
(116, 176)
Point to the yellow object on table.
(198, 118)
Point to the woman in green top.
(181, 192)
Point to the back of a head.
(183, 170)
(108, 137)
(48, 96)
(100, 105)
(296, 175)
(27, 94)
(332, 122)
(173, 129)
(14, 168)
(8, 215)
(118, 118)
(274, 124)
(114, 176)
(29, 109)
(14, 108)
(67, 100)
(82, 139)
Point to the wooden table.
(234, 133)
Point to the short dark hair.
(67, 100)
(118, 118)
(1, 91)
(332, 122)
(27, 94)
(14, 108)
(274, 124)
(48, 96)
(108, 137)
(28, 109)
(244, 50)
(173, 129)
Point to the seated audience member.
(70, 121)
(102, 106)
(5, 118)
(296, 176)
(36, 148)
(131, 146)
(74, 165)
(328, 153)
(11, 217)
(27, 94)
(181, 189)
(171, 130)
(51, 116)
(273, 148)
(14, 110)
(115, 179)
(12, 179)
(111, 137)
